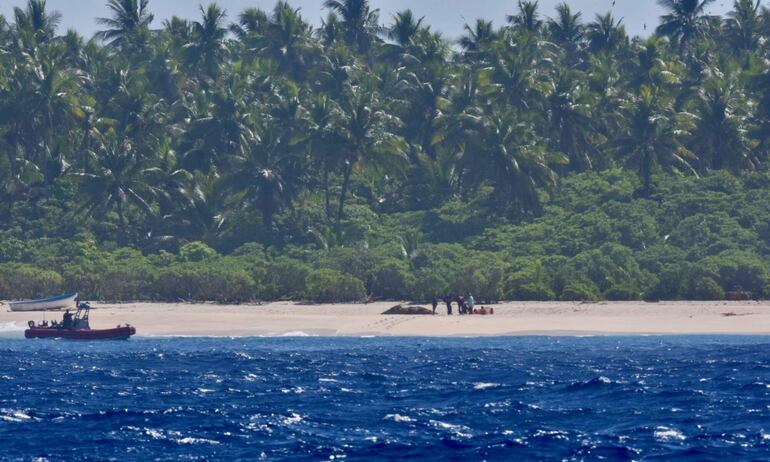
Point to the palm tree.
(528, 17)
(652, 138)
(571, 121)
(129, 25)
(405, 27)
(566, 29)
(478, 37)
(368, 138)
(684, 21)
(35, 25)
(118, 178)
(208, 48)
(359, 21)
(719, 137)
(506, 152)
(263, 176)
(606, 34)
(744, 26)
(287, 41)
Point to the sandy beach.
(524, 318)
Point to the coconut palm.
(719, 138)
(405, 27)
(528, 17)
(119, 178)
(744, 26)
(507, 152)
(368, 139)
(129, 25)
(208, 46)
(684, 21)
(567, 29)
(652, 138)
(34, 24)
(360, 23)
(606, 33)
(478, 37)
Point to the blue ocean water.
(683, 398)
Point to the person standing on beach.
(471, 303)
(448, 301)
(461, 304)
(434, 304)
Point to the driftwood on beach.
(409, 310)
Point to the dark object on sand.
(409, 310)
(738, 295)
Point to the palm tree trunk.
(345, 185)
(327, 194)
(122, 221)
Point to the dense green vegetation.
(251, 157)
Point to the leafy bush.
(708, 289)
(392, 280)
(196, 251)
(330, 286)
(24, 281)
(578, 291)
(205, 282)
(283, 278)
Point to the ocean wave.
(484, 386)
(6, 327)
(398, 418)
(668, 434)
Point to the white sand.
(527, 318)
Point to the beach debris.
(409, 310)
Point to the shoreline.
(514, 319)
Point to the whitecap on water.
(297, 333)
(10, 415)
(292, 419)
(668, 434)
(484, 386)
(10, 327)
(458, 430)
(398, 418)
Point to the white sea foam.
(10, 327)
(297, 333)
(189, 440)
(10, 415)
(292, 419)
(398, 418)
(668, 434)
(459, 430)
(484, 386)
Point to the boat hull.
(48, 304)
(119, 333)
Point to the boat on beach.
(45, 304)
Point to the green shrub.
(205, 282)
(283, 278)
(708, 289)
(578, 291)
(130, 282)
(622, 292)
(196, 251)
(428, 284)
(392, 281)
(24, 281)
(533, 291)
(330, 286)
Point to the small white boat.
(46, 304)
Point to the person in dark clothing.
(461, 304)
(434, 304)
(448, 301)
(67, 321)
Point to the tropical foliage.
(248, 155)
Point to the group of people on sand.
(465, 304)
